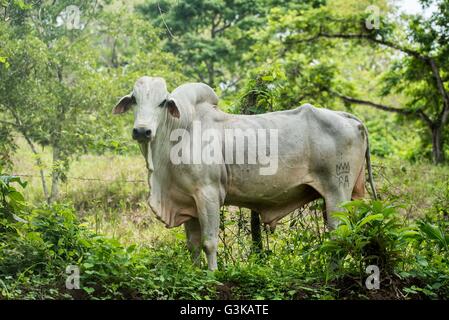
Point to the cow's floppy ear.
(124, 104)
(170, 104)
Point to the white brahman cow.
(200, 158)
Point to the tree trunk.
(211, 74)
(437, 144)
(56, 140)
(55, 176)
(256, 233)
(33, 149)
(39, 164)
(114, 58)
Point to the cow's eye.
(162, 104)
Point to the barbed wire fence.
(379, 170)
(83, 178)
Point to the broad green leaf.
(374, 217)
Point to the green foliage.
(441, 204)
(59, 84)
(33, 260)
(434, 234)
(261, 92)
(370, 233)
(7, 147)
(12, 200)
(332, 59)
(431, 261)
(300, 261)
(208, 36)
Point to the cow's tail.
(368, 165)
(367, 154)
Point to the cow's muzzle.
(141, 134)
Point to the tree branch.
(368, 37)
(230, 24)
(163, 20)
(444, 114)
(224, 27)
(436, 74)
(411, 113)
(8, 123)
(22, 129)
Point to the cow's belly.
(268, 202)
(273, 196)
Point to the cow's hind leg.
(359, 188)
(193, 235)
(337, 195)
(333, 201)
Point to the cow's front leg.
(209, 216)
(193, 235)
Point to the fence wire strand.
(83, 179)
(378, 168)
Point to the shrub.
(34, 255)
(370, 233)
(431, 260)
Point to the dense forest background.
(73, 192)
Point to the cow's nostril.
(148, 133)
(135, 133)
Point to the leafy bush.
(33, 264)
(431, 260)
(12, 201)
(370, 233)
(34, 257)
